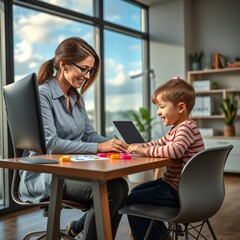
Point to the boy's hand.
(137, 149)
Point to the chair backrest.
(24, 121)
(201, 186)
(24, 115)
(26, 128)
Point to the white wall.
(179, 27)
(167, 52)
(215, 27)
(169, 66)
(167, 40)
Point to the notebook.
(128, 131)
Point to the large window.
(122, 60)
(80, 6)
(117, 29)
(36, 36)
(125, 14)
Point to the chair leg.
(175, 229)
(64, 236)
(211, 230)
(42, 235)
(186, 231)
(149, 229)
(39, 234)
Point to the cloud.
(115, 72)
(118, 80)
(87, 37)
(36, 28)
(135, 47)
(114, 12)
(135, 17)
(23, 51)
(34, 39)
(136, 65)
(130, 101)
(85, 6)
(114, 18)
(37, 36)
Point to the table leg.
(54, 210)
(101, 207)
(158, 173)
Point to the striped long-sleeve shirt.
(180, 143)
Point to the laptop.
(128, 132)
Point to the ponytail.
(45, 72)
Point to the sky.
(36, 36)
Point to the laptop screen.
(128, 131)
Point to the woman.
(62, 82)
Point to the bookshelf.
(226, 82)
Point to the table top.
(90, 169)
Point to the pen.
(115, 136)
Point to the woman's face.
(77, 73)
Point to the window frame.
(99, 25)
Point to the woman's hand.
(113, 145)
(137, 149)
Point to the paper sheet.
(78, 158)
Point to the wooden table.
(97, 171)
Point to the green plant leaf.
(196, 56)
(229, 107)
(142, 119)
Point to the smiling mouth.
(163, 119)
(81, 80)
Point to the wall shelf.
(228, 83)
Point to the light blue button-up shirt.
(65, 132)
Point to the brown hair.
(176, 91)
(70, 50)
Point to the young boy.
(174, 100)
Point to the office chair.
(201, 193)
(26, 129)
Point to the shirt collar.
(57, 91)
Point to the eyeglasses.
(85, 71)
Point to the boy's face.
(169, 113)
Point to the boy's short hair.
(176, 91)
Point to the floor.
(225, 222)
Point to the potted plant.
(229, 107)
(143, 121)
(196, 60)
